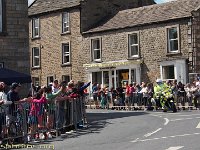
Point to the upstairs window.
(36, 57)
(133, 45)
(96, 49)
(66, 53)
(173, 40)
(35, 27)
(65, 22)
(2, 16)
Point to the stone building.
(56, 28)
(143, 44)
(14, 38)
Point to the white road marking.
(198, 126)
(135, 140)
(149, 134)
(183, 135)
(179, 119)
(189, 115)
(175, 148)
(166, 121)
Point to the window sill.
(34, 68)
(97, 61)
(35, 38)
(173, 53)
(65, 33)
(133, 58)
(66, 65)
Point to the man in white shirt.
(55, 86)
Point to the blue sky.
(162, 1)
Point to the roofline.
(138, 25)
(53, 11)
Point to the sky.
(30, 1)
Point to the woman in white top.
(3, 101)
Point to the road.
(136, 130)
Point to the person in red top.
(37, 110)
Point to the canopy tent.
(9, 76)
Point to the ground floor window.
(49, 80)
(114, 78)
(66, 78)
(97, 77)
(175, 69)
(122, 77)
(168, 72)
(36, 81)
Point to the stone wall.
(14, 44)
(153, 46)
(50, 43)
(196, 40)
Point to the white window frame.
(180, 69)
(66, 54)
(93, 50)
(169, 40)
(35, 57)
(34, 28)
(133, 45)
(65, 22)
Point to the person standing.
(55, 86)
(3, 101)
(13, 96)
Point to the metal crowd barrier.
(137, 101)
(27, 121)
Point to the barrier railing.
(36, 120)
(137, 101)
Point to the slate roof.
(148, 14)
(43, 6)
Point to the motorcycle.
(167, 100)
(170, 104)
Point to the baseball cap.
(14, 85)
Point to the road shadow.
(99, 120)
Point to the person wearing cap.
(12, 96)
